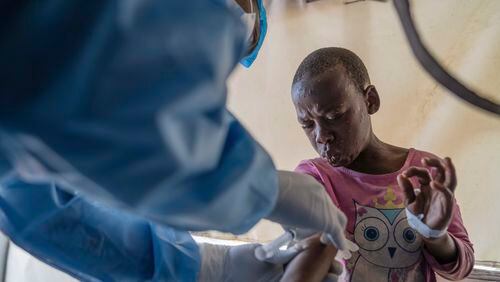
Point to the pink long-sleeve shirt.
(389, 249)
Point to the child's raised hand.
(436, 197)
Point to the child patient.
(372, 182)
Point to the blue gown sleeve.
(124, 102)
(90, 241)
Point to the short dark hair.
(325, 59)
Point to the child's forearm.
(313, 264)
(442, 249)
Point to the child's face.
(334, 116)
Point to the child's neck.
(379, 158)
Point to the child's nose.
(323, 136)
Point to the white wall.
(415, 112)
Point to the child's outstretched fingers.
(451, 176)
(420, 173)
(438, 165)
(408, 189)
(445, 171)
(424, 177)
(440, 187)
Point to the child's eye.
(334, 116)
(307, 125)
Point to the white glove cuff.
(415, 222)
(213, 260)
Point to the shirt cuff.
(453, 269)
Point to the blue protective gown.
(115, 139)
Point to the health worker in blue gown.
(115, 141)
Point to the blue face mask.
(248, 60)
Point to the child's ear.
(372, 99)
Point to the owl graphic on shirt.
(389, 249)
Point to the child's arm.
(450, 255)
(314, 263)
(443, 249)
(464, 261)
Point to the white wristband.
(415, 222)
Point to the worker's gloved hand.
(236, 263)
(304, 206)
(239, 263)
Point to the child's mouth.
(333, 159)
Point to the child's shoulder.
(317, 167)
(415, 156)
(315, 163)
